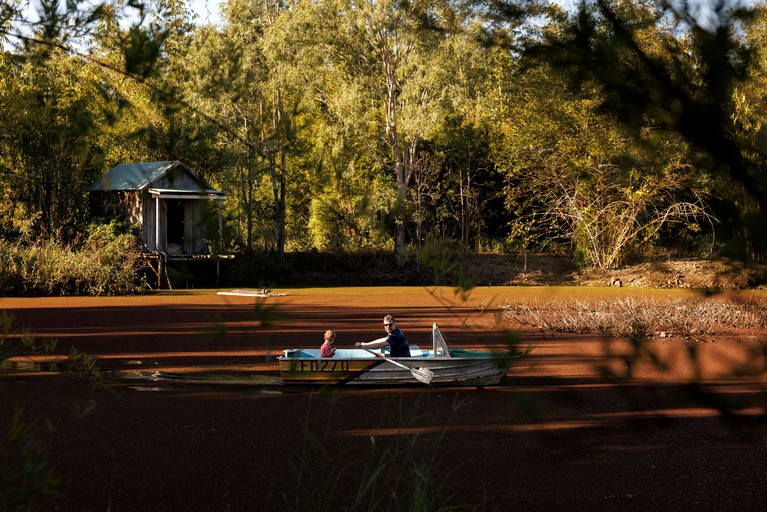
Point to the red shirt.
(327, 350)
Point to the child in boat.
(327, 349)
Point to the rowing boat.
(441, 365)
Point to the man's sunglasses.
(388, 325)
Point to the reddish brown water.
(558, 434)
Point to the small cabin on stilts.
(171, 204)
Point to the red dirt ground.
(555, 435)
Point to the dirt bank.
(537, 270)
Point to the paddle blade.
(422, 374)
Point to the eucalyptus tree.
(576, 173)
(376, 55)
(47, 156)
(132, 114)
(472, 77)
(239, 75)
(671, 67)
(346, 196)
(279, 114)
(219, 84)
(749, 114)
(58, 103)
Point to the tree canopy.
(608, 131)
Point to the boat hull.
(474, 371)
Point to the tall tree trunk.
(246, 185)
(278, 182)
(278, 217)
(403, 168)
(400, 253)
(280, 206)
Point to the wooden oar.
(422, 374)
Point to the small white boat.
(441, 365)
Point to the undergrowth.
(394, 473)
(106, 260)
(28, 479)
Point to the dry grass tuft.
(689, 318)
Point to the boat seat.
(297, 353)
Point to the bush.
(107, 262)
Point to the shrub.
(107, 262)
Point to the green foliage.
(338, 223)
(401, 473)
(15, 342)
(46, 154)
(325, 137)
(575, 174)
(82, 364)
(379, 88)
(439, 257)
(20, 343)
(267, 315)
(27, 479)
(107, 261)
(667, 73)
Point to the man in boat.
(394, 340)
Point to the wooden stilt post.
(167, 277)
(220, 238)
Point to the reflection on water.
(208, 378)
(28, 365)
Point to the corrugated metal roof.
(138, 176)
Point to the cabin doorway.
(175, 225)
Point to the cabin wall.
(178, 179)
(148, 225)
(194, 230)
(118, 204)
